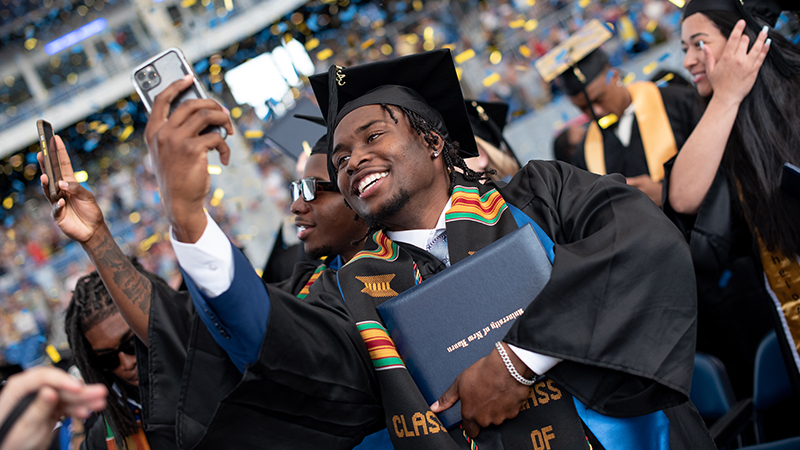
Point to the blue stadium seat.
(771, 383)
(785, 444)
(711, 392)
(713, 397)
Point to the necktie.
(438, 247)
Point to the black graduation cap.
(425, 83)
(291, 136)
(487, 120)
(767, 10)
(322, 143)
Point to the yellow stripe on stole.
(654, 128)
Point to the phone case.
(52, 166)
(790, 179)
(157, 73)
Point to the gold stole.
(783, 275)
(654, 128)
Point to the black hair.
(765, 135)
(91, 304)
(450, 150)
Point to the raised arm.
(731, 78)
(80, 218)
(228, 294)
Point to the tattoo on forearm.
(126, 278)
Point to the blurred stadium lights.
(259, 81)
(90, 53)
(73, 37)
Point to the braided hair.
(91, 304)
(450, 151)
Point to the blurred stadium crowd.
(494, 43)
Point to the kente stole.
(479, 216)
(654, 128)
(137, 441)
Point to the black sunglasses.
(308, 187)
(109, 359)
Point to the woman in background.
(723, 188)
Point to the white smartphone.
(157, 73)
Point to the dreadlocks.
(90, 305)
(450, 151)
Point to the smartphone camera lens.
(141, 76)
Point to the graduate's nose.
(299, 206)
(690, 59)
(358, 159)
(127, 361)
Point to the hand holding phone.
(75, 210)
(51, 163)
(157, 73)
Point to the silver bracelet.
(510, 366)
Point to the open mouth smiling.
(366, 183)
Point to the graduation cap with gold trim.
(488, 120)
(577, 61)
(425, 83)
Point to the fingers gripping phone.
(52, 164)
(157, 73)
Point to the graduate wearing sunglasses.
(104, 347)
(325, 224)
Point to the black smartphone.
(790, 179)
(52, 164)
(157, 73)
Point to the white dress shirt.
(209, 261)
(624, 128)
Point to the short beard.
(394, 206)
(320, 252)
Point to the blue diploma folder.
(453, 319)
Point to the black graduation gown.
(96, 436)
(616, 254)
(734, 309)
(184, 373)
(684, 109)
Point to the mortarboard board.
(487, 120)
(293, 137)
(591, 66)
(576, 61)
(425, 83)
(322, 143)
